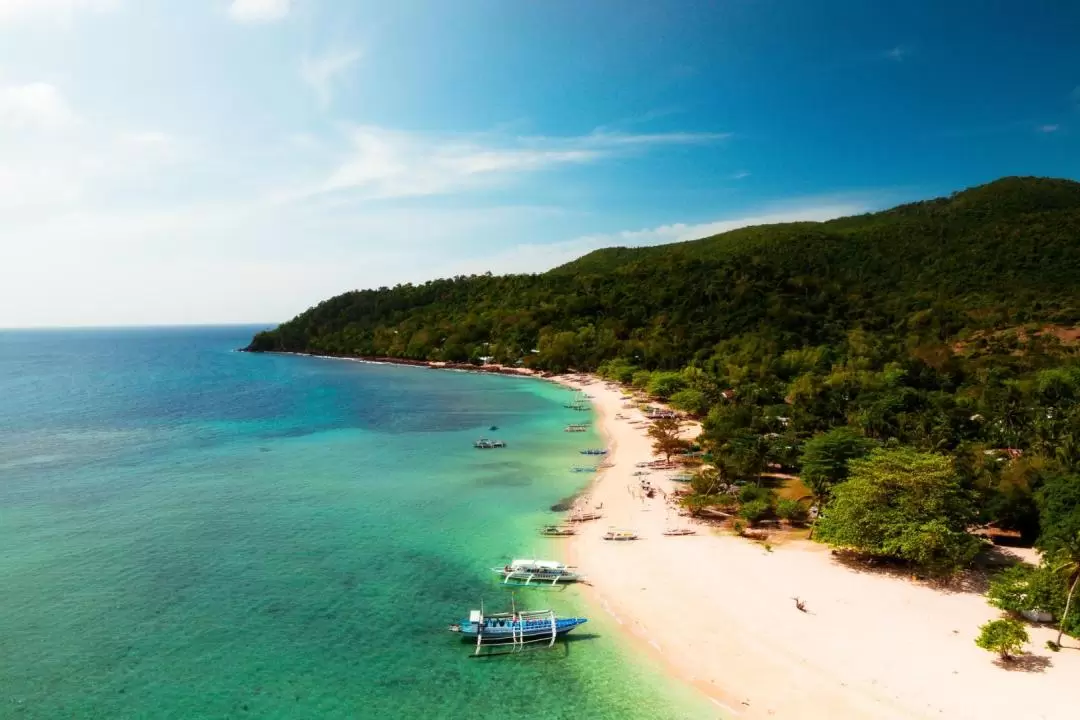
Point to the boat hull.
(516, 632)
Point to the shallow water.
(190, 532)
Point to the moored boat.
(584, 468)
(485, 444)
(532, 572)
(557, 531)
(585, 516)
(593, 451)
(576, 427)
(515, 628)
(681, 531)
(620, 535)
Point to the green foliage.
(666, 384)
(1059, 504)
(690, 400)
(1006, 637)
(902, 504)
(754, 493)
(1023, 588)
(792, 510)
(756, 510)
(825, 458)
(641, 379)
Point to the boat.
(485, 444)
(576, 427)
(557, 531)
(680, 531)
(593, 451)
(585, 516)
(493, 428)
(620, 535)
(584, 468)
(532, 572)
(516, 628)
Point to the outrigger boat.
(585, 516)
(516, 628)
(620, 535)
(576, 427)
(557, 531)
(535, 572)
(681, 531)
(593, 451)
(485, 444)
(584, 468)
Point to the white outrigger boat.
(680, 531)
(620, 535)
(536, 572)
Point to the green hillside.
(940, 334)
(1000, 254)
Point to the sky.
(219, 161)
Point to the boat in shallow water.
(535, 572)
(516, 628)
(557, 531)
(485, 444)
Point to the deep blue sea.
(191, 532)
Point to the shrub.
(792, 510)
(739, 527)
(1023, 588)
(690, 400)
(666, 384)
(1006, 637)
(755, 510)
(750, 493)
(641, 379)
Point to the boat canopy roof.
(548, 564)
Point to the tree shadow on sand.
(975, 581)
(1025, 663)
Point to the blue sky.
(240, 160)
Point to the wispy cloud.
(321, 73)
(740, 175)
(35, 106)
(1047, 129)
(51, 10)
(259, 11)
(387, 163)
(897, 54)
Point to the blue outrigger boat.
(517, 628)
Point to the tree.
(825, 457)
(1059, 506)
(902, 504)
(1006, 637)
(666, 440)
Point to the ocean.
(192, 532)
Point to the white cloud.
(259, 11)
(898, 53)
(741, 174)
(538, 257)
(320, 73)
(36, 106)
(1047, 129)
(51, 10)
(387, 163)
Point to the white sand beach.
(719, 611)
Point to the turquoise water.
(190, 532)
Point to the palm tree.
(1070, 565)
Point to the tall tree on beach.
(902, 504)
(665, 434)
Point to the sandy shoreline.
(718, 611)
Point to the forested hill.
(1000, 255)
